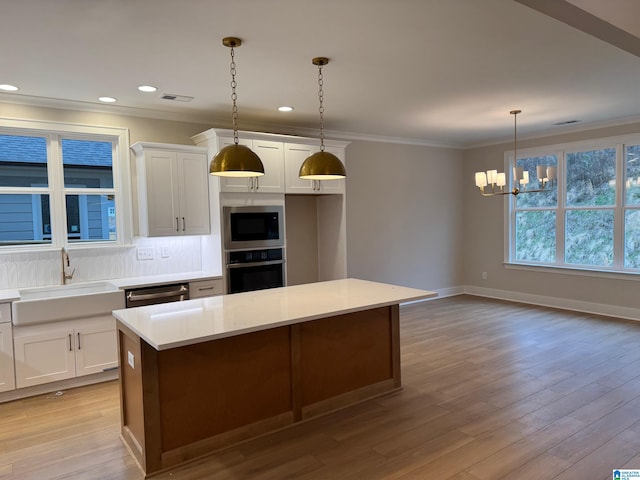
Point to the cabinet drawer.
(5, 312)
(205, 288)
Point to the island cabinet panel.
(139, 405)
(210, 388)
(344, 354)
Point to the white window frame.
(560, 150)
(54, 132)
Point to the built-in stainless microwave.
(253, 227)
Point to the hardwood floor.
(491, 390)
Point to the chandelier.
(493, 183)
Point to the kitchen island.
(199, 375)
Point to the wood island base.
(185, 402)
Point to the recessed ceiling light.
(147, 88)
(285, 108)
(107, 99)
(8, 88)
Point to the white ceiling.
(442, 72)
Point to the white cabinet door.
(7, 372)
(235, 184)
(193, 182)
(295, 155)
(272, 156)
(162, 200)
(96, 346)
(172, 186)
(43, 354)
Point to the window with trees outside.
(591, 218)
(59, 186)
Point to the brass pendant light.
(235, 160)
(322, 165)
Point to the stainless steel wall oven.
(254, 269)
(254, 247)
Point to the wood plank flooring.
(491, 390)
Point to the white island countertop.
(172, 325)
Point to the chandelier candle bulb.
(501, 179)
(525, 178)
(518, 174)
(481, 180)
(541, 171)
(491, 176)
(552, 173)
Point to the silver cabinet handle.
(202, 289)
(177, 225)
(70, 340)
(79, 347)
(184, 225)
(132, 296)
(257, 183)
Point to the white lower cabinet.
(206, 288)
(7, 375)
(62, 350)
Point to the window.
(60, 186)
(591, 218)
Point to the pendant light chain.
(515, 152)
(321, 109)
(236, 160)
(234, 97)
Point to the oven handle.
(132, 296)
(254, 264)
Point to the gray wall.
(483, 245)
(404, 214)
(140, 129)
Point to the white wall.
(405, 214)
(483, 245)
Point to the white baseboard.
(442, 293)
(555, 302)
(58, 386)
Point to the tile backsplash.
(36, 269)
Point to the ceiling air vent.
(176, 98)
(567, 122)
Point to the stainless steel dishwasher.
(138, 297)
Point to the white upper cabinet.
(294, 155)
(282, 156)
(172, 190)
(272, 156)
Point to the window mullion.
(57, 198)
(618, 217)
(561, 207)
